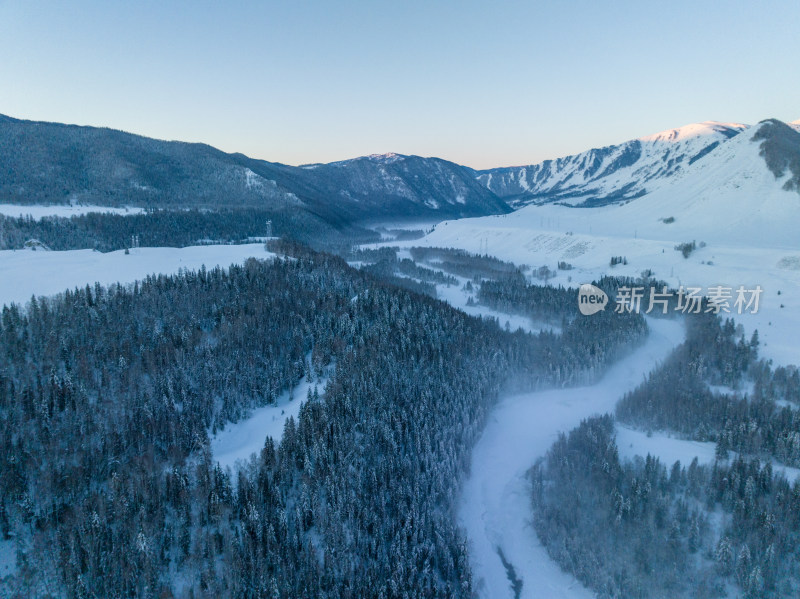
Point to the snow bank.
(458, 298)
(670, 449)
(631, 442)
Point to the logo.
(591, 299)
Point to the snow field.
(24, 273)
(238, 441)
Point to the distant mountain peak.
(693, 130)
(387, 158)
(611, 174)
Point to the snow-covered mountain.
(52, 163)
(398, 185)
(611, 174)
(745, 191)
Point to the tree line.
(176, 228)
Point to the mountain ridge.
(731, 197)
(56, 163)
(610, 174)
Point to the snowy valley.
(320, 416)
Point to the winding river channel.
(495, 509)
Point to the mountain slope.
(741, 193)
(56, 164)
(411, 185)
(611, 174)
(780, 149)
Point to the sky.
(484, 84)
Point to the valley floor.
(546, 235)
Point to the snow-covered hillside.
(729, 199)
(611, 174)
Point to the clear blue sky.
(480, 83)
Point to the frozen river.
(495, 507)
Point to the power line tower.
(269, 228)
